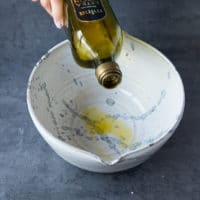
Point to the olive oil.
(96, 38)
(102, 123)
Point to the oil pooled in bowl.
(102, 123)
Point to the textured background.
(30, 170)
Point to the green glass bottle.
(96, 38)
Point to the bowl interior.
(68, 101)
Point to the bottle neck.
(98, 62)
(108, 74)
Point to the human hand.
(57, 9)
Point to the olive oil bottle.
(96, 38)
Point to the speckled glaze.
(150, 101)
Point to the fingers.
(57, 9)
(46, 5)
(58, 12)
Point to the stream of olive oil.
(101, 123)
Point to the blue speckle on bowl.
(110, 101)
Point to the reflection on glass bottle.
(96, 38)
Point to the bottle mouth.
(109, 75)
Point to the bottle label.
(89, 10)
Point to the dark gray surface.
(30, 170)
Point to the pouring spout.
(110, 162)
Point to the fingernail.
(59, 24)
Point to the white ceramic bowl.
(104, 130)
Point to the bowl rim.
(45, 133)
